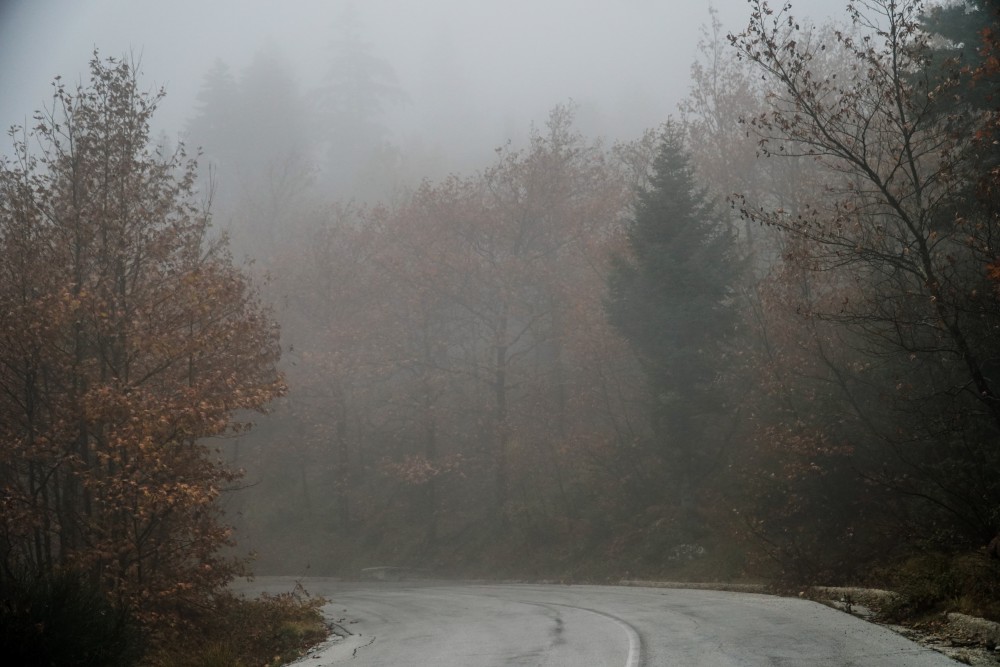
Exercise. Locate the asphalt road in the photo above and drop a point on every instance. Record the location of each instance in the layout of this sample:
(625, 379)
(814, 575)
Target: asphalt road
(465, 625)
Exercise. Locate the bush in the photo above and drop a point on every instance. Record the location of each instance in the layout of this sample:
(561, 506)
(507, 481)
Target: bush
(968, 583)
(236, 631)
(63, 621)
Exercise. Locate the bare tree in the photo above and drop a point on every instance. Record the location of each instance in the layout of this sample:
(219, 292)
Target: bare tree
(899, 247)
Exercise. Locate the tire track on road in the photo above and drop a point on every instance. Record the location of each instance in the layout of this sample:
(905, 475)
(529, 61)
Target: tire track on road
(634, 656)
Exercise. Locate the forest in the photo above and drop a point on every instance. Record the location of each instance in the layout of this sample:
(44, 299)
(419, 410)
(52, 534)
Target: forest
(758, 342)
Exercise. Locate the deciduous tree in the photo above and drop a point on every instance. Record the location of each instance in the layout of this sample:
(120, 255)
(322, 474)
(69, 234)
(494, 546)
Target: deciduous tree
(127, 341)
(901, 260)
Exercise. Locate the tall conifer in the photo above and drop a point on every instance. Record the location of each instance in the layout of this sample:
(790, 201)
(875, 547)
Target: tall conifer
(671, 298)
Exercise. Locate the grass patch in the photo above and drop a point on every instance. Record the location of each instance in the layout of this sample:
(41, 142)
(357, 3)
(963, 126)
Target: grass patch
(245, 632)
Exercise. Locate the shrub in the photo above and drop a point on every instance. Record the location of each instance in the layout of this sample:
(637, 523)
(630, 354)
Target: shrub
(236, 631)
(968, 583)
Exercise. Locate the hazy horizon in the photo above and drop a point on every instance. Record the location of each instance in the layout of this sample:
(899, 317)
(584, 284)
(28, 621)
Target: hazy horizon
(491, 67)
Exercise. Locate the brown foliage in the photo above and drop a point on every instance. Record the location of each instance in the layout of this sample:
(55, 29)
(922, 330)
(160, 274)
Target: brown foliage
(126, 339)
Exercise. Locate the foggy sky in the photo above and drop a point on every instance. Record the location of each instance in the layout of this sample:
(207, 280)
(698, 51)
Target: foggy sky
(624, 62)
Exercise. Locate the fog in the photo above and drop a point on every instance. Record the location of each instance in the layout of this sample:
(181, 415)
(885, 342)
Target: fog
(465, 300)
(472, 72)
(453, 374)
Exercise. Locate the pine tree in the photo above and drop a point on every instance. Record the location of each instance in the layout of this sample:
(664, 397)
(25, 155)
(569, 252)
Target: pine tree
(359, 89)
(672, 300)
(964, 27)
(215, 126)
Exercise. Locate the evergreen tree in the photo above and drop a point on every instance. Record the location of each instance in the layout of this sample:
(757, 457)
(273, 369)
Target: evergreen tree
(671, 299)
(359, 89)
(963, 74)
(214, 126)
(255, 131)
(963, 27)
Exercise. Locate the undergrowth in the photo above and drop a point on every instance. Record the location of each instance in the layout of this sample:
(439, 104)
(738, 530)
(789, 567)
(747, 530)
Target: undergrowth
(243, 632)
(63, 620)
(931, 583)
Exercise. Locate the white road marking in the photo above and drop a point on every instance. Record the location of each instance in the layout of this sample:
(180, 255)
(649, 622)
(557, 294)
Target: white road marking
(634, 643)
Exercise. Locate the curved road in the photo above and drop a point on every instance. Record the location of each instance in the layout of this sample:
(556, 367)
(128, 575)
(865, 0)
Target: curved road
(466, 625)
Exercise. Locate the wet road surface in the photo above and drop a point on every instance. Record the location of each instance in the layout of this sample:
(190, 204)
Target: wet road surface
(469, 625)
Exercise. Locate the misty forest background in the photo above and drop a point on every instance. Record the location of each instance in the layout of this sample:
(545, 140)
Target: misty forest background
(760, 338)
(758, 341)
